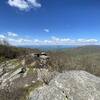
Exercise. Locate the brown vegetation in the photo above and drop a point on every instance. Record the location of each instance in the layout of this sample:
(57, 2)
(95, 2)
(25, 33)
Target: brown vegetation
(10, 52)
(82, 58)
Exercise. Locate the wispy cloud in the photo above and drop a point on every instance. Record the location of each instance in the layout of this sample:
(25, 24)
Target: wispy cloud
(15, 39)
(46, 30)
(12, 34)
(24, 4)
(87, 40)
(2, 36)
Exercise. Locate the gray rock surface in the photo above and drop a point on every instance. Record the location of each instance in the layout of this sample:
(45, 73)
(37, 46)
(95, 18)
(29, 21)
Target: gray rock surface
(9, 77)
(71, 85)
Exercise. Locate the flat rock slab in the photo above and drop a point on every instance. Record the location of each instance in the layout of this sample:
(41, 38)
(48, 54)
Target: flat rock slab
(71, 85)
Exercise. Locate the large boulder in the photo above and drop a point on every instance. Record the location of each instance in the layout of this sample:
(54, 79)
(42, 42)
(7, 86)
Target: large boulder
(71, 85)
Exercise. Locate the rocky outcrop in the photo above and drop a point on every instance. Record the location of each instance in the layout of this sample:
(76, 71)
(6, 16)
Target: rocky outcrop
(71, 85)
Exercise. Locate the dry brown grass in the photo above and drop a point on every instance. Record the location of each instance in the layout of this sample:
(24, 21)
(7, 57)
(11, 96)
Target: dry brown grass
(62, 60)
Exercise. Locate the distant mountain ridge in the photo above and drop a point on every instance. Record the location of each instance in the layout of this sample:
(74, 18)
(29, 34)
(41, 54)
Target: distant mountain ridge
(50, 47)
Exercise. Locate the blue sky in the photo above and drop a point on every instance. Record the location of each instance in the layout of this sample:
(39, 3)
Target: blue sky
(43, 22)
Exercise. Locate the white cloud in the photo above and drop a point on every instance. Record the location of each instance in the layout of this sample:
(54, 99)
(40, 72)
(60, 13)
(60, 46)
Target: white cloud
(24, 4)
(2, 36)
(53, 41)
(46, 30)
(92, 40)
(15, 39)
(34, 3)
(87, 41)
(36, 41)
(12, 34)
(19, 41)
(62, 41)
